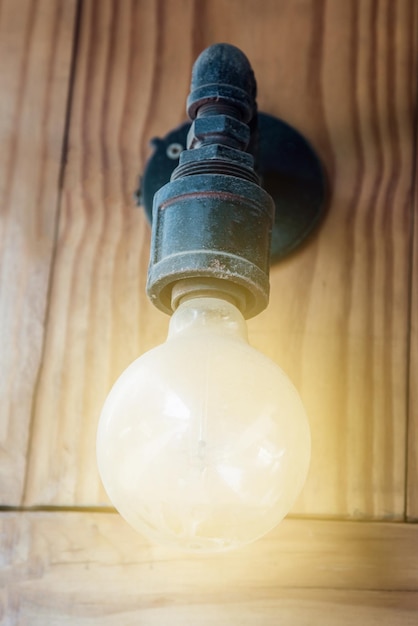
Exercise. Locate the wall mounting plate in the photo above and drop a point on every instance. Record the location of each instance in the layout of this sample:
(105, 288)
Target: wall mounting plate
(289, 171)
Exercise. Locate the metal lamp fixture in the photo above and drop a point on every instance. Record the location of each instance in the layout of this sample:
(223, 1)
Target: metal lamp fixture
(203, 442)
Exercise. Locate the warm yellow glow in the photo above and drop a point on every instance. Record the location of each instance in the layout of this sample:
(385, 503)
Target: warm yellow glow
(203, 442)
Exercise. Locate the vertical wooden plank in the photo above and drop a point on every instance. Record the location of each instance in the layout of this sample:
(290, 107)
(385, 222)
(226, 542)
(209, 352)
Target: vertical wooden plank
(338, 318)
(350, 325)
(36, 40)
(412, 468)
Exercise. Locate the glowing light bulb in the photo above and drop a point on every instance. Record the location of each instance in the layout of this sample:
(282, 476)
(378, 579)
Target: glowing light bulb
(203, 442)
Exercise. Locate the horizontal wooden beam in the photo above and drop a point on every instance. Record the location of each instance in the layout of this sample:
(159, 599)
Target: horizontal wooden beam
(88, 568)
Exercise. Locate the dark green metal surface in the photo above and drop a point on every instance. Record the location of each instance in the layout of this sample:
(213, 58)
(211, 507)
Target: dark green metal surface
(289, 171)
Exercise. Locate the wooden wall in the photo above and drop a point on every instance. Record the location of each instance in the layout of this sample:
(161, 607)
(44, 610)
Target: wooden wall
(84, 86)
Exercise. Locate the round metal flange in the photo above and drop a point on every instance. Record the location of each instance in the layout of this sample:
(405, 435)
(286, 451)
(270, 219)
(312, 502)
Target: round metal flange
(289, 171)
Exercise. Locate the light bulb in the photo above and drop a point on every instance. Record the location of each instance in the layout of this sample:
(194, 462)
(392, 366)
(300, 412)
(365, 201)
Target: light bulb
(203, 442)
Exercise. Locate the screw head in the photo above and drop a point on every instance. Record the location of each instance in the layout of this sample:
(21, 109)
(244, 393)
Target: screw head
(174, 150)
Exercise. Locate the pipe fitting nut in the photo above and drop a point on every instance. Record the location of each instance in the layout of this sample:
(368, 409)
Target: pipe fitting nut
(216, 129)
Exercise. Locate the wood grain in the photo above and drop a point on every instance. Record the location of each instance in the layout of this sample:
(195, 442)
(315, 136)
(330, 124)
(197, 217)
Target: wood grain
(301, 607)
(35, 56)
(344, 74)
(412, 468)
(86, 568)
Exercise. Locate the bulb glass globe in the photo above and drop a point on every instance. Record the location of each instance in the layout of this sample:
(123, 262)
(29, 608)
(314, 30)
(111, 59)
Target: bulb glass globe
(203, 442)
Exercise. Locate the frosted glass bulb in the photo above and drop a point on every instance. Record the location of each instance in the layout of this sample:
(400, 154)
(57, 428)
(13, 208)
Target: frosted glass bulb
(203, 442)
